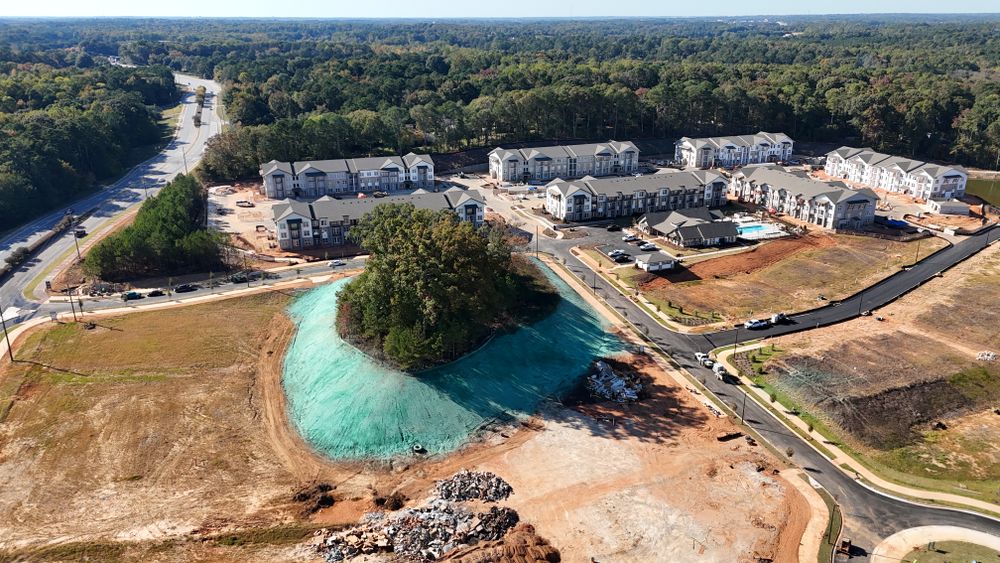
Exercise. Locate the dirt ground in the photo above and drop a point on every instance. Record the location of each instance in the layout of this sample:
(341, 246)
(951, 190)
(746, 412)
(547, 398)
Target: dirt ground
(118, 444)
(785, 274)
(919, 363)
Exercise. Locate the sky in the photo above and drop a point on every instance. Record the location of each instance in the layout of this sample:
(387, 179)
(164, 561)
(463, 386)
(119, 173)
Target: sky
(480, 8)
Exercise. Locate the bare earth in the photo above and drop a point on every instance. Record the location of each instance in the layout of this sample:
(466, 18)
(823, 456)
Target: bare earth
(162, 436)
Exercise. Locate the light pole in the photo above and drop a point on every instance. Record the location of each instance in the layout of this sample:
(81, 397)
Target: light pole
(71, 307)
(10, 350)
(76, 241)
(743, 410)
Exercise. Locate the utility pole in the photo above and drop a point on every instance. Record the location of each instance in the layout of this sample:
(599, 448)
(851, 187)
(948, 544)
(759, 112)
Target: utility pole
(917, 257)
(861, 300)
(71, 307)
(743, 410)
(10, 350)
(184, 157)
(737, 342)
(536, 241)
(76, 241)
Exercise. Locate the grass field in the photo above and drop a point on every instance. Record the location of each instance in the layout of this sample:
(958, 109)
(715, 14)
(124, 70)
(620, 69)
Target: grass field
(147, 426)
(785, 275)
(907, 396)
(984, 188)
(953, 552)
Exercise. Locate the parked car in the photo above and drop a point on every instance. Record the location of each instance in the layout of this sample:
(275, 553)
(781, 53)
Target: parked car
(648, 247)
(186, 288)
(335, 263)
(754, 324)
(244, 203)
(380, 194)
(238, 277)
(131, 295)
(629, 238)
(80, 232)
(622, 258)
(708, 362)
(721, 373)
(156, 293)
(615, 252)
(778, 318)
(700, 356)
(612, 228)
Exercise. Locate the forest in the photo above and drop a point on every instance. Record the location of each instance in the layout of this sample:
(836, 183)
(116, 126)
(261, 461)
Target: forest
(922, 86)
(68, 128)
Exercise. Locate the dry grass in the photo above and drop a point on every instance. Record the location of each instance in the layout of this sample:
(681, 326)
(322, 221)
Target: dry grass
(145, 427)
(835, 268)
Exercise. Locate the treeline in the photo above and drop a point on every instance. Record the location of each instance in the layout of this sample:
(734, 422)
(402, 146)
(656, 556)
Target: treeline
(65, 130)
(168, 237)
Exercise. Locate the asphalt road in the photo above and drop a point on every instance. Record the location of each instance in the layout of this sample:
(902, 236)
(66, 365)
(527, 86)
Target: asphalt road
(182, 153)
(869, 516)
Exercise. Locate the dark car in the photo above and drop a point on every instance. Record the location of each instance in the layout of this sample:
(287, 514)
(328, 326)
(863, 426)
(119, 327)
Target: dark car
(186, 288)
(131, 296)
(622, 258)
(156, 293)
(238, 277)
(612, 228)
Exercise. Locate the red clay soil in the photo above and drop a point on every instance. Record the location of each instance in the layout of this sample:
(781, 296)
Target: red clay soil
(758, 258)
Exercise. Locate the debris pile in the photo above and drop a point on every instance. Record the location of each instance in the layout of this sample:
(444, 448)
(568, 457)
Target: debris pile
(606, 384)
(428, 532)
(522, 544)
(473, 485)
(987, 356)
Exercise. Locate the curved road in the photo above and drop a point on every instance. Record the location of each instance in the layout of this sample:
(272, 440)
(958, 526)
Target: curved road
(182, 153)
(869, 516)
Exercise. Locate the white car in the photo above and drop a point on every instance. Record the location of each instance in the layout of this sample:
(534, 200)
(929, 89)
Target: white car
(649, 247)
(708, 362)
(335, 263)
(629, 238)
(700, 356)
(754, 324)
(616, 252)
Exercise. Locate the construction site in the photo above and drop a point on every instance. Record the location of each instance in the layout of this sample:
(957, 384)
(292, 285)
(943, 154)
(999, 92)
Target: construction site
(924, 419)
(139, 439)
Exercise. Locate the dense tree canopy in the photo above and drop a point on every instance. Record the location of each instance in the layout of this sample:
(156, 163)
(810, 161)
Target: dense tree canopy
(66, 129)
(168, 236)
(434, 286)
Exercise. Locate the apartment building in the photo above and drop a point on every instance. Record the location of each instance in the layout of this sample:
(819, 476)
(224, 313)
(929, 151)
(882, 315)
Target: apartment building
(571, 161)
(327, 221)
(896, 174)
(831, 205)
(604, 198)
(315, 178)
(711, 152)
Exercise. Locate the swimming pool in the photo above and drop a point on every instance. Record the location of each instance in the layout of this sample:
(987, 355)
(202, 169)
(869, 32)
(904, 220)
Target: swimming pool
(744, 229)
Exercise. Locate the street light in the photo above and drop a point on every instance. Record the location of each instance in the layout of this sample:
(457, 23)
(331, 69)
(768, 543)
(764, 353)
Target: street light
(10, 349)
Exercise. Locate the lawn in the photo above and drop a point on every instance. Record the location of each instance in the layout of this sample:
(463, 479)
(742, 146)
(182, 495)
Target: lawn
(953, 552)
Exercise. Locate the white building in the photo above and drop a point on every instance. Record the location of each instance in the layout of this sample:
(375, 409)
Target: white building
(315, 178)
(710, 152)
(572, 161)
(326, 221)
(831, 205)
(655, 261)
(592, 198)
(896, 174)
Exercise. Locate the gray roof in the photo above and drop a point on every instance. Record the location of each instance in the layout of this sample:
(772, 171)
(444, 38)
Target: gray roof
(738, 140)
(675, 180)
(564, 151)
(354, 208)
(657, 257)
(345, 165)
(801, 185)
(691, 223)
(907, 165)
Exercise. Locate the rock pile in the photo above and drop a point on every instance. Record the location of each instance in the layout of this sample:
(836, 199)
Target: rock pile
(606, 384)
(987, 356)
(473, 485)
(428, 532)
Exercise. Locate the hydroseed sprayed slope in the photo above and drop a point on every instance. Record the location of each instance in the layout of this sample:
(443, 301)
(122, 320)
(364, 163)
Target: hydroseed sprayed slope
(348, 407)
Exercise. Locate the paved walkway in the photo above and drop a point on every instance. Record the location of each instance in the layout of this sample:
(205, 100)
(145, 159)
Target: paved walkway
(898, 545)
(839, 458)
(819, 515)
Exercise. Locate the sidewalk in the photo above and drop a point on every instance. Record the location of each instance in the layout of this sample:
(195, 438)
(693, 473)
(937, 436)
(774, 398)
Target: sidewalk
(819, 515)
(900, 544)
(839, 458)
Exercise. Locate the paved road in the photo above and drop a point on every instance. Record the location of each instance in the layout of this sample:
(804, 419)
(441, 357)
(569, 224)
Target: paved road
(869, 516)
(871, 298)
(184, 152)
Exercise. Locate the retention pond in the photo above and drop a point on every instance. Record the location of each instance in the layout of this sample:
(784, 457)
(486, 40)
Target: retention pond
(348, 406)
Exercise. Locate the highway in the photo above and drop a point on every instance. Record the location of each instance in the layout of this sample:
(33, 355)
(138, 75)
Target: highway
(182, 153)
(869, 516)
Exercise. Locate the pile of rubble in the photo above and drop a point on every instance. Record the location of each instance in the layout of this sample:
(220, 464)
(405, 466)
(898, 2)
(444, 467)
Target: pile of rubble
(606, 384)
(987, 356)
(428, 532)
(473, 485)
